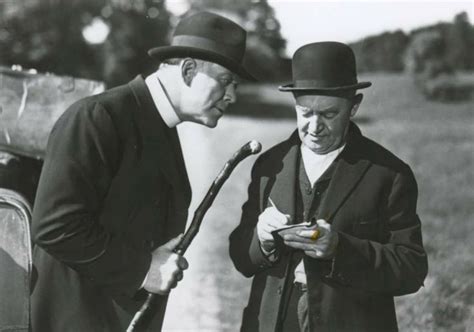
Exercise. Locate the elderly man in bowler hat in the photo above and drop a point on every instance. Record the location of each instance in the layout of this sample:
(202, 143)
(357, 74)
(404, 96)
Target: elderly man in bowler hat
(114, 193)
(362, 244)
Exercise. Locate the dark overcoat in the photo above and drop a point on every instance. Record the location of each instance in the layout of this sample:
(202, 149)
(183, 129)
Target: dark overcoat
(371, 202)
(112, 189)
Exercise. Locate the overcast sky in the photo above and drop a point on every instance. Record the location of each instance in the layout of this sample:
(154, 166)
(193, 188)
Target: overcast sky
(305, 21)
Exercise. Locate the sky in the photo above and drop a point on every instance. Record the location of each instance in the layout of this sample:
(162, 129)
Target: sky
(306, 21)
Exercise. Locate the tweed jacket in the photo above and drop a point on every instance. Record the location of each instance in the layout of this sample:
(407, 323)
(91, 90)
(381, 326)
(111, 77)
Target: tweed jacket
(371, 202)
(113, 188)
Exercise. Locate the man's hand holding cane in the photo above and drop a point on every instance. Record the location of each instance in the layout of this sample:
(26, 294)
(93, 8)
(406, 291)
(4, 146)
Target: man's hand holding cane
(170, 273)
(166, 268)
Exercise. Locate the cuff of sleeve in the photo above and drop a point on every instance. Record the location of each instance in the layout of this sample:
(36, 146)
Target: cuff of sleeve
(257, 255)
(131, 267)
(144, 281)
(272, 256)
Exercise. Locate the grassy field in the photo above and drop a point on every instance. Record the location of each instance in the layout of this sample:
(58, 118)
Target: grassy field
(436, 139)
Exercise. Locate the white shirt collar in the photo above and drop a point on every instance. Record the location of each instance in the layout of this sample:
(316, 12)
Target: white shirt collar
(161, 101)
(316, 164)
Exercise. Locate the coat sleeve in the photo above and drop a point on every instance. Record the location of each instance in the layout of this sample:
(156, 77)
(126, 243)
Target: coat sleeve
(82, 157)
(245, 250)
(396, 266)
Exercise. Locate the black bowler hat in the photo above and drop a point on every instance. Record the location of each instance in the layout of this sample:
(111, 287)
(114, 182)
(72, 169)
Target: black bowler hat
(326, 67)
(209, 37)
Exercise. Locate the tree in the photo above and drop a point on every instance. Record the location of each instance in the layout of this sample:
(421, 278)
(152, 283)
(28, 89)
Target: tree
(265, 45)
(425, 53)
(133, 31)
(460, 43)
(47, 36)
(434, 55)
(53, 40)
(383, 52)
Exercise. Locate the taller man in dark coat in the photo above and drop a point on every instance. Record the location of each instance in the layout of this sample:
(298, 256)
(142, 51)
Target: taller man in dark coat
(114, 193)
(363, 245)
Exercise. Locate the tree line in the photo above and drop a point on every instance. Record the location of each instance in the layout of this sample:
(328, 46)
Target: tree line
(50, 36)
(450, 45)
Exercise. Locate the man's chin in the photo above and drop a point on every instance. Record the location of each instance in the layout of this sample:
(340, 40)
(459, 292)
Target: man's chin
(210, 122)
(316, 148)
(211, 125)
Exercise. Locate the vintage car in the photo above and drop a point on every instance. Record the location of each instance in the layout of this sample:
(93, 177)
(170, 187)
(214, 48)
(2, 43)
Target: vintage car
(30, 104)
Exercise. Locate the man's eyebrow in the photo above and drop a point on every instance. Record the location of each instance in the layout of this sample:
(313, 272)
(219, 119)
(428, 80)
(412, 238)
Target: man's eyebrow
(226, 75)
(229, 76)
(303, 108)
(327, 110)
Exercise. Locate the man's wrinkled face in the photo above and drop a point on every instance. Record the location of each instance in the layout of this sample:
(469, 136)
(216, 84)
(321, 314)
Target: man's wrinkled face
(323, 120)
(208, 94)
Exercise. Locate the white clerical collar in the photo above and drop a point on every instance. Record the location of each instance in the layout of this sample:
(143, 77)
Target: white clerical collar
(161, 101)
(310, 155)
(316, 164)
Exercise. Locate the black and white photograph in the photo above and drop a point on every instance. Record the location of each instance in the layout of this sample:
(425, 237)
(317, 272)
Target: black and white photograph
(245, 165)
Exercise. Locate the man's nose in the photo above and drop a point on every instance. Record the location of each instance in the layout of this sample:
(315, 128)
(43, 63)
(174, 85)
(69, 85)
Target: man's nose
(316, 124)
(230, 94)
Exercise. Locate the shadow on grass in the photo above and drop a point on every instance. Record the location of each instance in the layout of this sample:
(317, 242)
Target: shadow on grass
(261, 110)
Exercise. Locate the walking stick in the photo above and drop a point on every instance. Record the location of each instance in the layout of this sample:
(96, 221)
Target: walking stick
(143, 316)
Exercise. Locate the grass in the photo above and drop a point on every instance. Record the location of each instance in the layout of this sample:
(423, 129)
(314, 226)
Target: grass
(435, 139)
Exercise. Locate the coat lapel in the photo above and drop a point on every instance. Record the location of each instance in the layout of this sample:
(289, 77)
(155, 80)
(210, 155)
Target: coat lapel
(171, 162)
(284, 185)
(350, 168)
(158, 139)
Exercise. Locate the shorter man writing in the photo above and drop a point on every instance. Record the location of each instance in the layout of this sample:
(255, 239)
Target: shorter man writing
(364, 246)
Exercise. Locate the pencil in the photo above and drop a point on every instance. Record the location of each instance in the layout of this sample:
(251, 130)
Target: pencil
(271, 202)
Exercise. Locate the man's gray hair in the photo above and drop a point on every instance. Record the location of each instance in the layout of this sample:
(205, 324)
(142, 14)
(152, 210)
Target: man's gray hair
(177, 61)
(172, 61)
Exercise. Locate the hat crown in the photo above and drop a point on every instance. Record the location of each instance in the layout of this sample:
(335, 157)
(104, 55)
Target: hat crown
(324, 66)
(213, 27)
(329, 64)
(208, 37)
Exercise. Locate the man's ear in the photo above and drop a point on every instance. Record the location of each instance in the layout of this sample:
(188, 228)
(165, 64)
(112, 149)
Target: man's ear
(188, 70)
(356, 103)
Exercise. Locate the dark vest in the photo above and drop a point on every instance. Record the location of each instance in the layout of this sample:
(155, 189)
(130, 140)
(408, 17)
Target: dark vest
(309, 197)
(308, 200)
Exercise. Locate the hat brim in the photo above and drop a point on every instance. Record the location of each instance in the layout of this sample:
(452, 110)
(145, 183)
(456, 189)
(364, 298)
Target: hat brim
(167, 52)
(357, 86)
